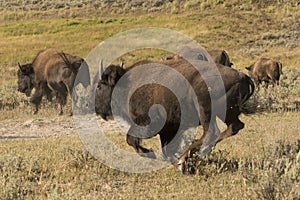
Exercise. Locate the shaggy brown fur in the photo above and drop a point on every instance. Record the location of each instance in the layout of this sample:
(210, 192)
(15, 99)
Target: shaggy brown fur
(53, 71)
(238, 89)
(265, 69)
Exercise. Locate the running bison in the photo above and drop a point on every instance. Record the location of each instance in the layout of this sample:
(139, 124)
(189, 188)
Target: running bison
(208, 104)
(220, 57)
(51, 71)
(265, 70)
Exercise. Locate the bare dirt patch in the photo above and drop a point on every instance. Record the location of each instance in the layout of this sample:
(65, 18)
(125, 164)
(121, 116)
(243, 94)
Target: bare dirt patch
(44, 128)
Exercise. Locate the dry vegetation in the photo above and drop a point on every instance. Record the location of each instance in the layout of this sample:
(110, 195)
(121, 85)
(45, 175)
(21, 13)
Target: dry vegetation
(261, 162)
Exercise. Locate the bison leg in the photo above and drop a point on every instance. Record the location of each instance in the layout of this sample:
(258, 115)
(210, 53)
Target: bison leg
(37, 98)
(62, 100)
(69, 83)
(233, 123)
(136, 144)
(61, 94)
(168, 148)
(48, 93)
(232, 129)
(205, 144)
(257, 82)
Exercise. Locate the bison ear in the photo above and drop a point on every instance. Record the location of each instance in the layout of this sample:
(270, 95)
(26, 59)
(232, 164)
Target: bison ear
(249, 68)
(19, 66)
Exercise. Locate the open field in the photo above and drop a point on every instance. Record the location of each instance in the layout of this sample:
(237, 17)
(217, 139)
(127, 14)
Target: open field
(261, 162)
(42, 156)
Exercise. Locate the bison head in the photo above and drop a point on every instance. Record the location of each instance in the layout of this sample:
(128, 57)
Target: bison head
(105, 87)
(25, 78)
(250, 70)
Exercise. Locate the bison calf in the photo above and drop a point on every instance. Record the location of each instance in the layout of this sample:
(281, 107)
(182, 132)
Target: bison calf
(264, 70)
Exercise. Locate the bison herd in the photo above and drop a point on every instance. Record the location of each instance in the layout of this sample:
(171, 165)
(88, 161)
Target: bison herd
(53, 72)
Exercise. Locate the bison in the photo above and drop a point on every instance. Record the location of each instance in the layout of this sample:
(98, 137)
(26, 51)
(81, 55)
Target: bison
(238, 89)
(51, 71)
(220, 57)
(265, 70)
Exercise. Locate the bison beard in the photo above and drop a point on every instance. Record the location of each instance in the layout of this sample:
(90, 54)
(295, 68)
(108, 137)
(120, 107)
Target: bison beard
(238, 89)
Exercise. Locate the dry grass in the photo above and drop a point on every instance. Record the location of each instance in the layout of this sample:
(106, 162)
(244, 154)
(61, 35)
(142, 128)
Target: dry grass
(261, 162)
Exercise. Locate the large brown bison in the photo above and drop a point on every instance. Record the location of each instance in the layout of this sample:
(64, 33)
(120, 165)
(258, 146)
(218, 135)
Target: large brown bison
(51, 71)
(238, 89)
(220, 57)
(265, 70)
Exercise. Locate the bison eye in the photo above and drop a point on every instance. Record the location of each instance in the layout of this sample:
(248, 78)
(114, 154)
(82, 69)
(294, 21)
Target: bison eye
(103, 82)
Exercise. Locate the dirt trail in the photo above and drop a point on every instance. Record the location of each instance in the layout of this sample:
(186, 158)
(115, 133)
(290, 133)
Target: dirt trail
(44, 128)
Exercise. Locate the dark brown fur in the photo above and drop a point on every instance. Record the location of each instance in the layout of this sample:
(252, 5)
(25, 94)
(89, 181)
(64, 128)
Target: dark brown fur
(53, 71)
(220, 57)
(265, 70)
(238, 88)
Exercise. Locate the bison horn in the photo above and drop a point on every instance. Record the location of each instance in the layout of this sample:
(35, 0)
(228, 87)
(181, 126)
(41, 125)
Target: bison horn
(101, 69)
(280, 67)
(122, 64)
(19, 66)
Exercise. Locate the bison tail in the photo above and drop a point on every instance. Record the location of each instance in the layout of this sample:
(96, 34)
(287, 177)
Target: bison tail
(249, 107)
(66, 60)
(251, 89)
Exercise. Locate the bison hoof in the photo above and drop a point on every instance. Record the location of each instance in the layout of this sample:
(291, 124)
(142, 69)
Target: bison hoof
(34, 112)
(149, 154)
(180, 165)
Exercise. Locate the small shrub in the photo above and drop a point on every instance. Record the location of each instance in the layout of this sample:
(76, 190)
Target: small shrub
(277, 174)
(10, 98)
(284, 97)
(211, 165)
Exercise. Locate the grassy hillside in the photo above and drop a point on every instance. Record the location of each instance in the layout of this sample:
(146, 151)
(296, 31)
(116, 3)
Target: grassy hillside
(262, 29)
(246, 33)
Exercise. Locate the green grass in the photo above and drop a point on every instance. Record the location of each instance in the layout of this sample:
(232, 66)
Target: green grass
(23, 39)
(241, 33)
